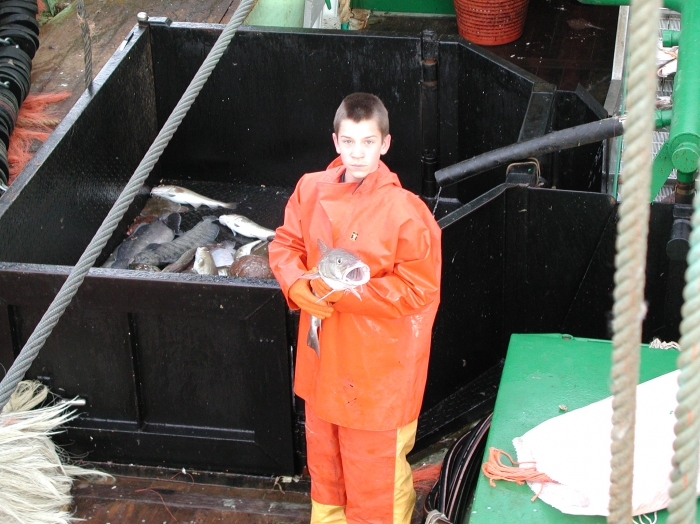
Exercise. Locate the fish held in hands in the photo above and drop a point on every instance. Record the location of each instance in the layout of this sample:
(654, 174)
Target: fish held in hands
(341, 270)
(246, 227)
(182, 195)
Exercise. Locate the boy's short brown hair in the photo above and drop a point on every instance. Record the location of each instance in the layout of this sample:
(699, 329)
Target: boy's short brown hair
(362, 106)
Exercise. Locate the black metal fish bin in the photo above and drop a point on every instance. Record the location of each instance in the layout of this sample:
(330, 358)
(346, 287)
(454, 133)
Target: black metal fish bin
(196, 371)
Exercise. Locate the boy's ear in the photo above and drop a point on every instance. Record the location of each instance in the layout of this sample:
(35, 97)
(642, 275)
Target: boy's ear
(385, 144)
(335, 141)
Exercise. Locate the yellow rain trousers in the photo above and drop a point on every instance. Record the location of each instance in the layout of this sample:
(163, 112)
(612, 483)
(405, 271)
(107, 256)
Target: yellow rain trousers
(359, 476)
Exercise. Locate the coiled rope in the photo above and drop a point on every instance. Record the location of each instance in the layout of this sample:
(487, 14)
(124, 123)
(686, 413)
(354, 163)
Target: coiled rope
(631, 248)
(684, 476)
(87, 260)
(87, 42)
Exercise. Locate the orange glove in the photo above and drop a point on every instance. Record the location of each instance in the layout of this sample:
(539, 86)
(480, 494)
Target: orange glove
(300, 293)
(321, 289)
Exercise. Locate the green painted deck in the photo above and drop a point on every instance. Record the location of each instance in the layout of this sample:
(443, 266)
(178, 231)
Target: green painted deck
(541, 373)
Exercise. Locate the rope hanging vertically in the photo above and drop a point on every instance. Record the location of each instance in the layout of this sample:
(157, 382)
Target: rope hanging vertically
(87, 260)
(631, 250)
(684, 476)
(344, 13)
(87, 41)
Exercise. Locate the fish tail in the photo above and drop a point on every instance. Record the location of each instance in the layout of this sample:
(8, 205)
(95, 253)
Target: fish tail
(312, 337)
(230, 205)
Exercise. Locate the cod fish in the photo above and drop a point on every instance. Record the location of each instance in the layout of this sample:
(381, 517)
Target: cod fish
(341, 270)
(156, 206)
(246, 227)
(204, 263)
(156, 255)
(156, 232)
(180, 195)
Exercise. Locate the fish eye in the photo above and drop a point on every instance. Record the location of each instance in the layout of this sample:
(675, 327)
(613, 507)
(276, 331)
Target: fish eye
(339, 261)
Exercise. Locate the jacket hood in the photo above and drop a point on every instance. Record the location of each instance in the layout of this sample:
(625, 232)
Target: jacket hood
(383, 176)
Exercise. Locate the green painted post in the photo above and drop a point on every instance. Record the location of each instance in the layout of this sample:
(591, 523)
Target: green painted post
(685, 124)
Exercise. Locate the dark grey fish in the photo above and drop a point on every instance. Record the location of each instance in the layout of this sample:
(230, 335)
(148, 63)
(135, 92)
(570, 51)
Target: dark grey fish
(181, 263)
(203, 233)
(157, 232)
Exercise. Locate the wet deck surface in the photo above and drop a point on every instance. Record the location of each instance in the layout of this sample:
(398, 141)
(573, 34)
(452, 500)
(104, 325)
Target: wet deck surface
(59, 64)
(182, 499)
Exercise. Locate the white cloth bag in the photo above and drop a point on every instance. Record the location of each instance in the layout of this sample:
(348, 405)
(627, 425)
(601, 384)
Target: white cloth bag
(574, 450)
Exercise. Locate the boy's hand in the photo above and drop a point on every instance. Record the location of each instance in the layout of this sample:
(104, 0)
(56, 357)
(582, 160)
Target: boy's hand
(301, 294)
(321, 289)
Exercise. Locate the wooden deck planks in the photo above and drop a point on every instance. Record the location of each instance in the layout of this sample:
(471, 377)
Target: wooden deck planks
(135, 500)
(58, 64)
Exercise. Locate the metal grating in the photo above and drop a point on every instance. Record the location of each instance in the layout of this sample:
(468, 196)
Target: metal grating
(664, 88)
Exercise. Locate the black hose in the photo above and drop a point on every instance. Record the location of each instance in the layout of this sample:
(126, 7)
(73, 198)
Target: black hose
(458, 474)
(555, 141)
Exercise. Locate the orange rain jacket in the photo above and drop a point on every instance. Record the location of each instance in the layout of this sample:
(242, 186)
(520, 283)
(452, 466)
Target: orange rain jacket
(374, 351)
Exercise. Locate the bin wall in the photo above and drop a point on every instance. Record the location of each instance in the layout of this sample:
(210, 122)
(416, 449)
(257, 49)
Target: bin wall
(53, 209)
(196, 371)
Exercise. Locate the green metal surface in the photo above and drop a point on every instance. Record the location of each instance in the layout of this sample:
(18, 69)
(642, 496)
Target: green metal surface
(445, 7)
(670, 37)
(660, 168)
(684, 132)
(663, 117)
(277, 13)
(541, 373)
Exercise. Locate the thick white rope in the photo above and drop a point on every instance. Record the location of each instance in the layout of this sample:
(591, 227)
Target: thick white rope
(631, 247)
(684, 476)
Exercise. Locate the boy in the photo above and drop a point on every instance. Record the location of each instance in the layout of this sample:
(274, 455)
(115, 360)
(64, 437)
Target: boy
(364, 392)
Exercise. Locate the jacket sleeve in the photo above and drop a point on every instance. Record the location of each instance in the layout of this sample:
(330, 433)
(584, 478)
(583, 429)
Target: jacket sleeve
(414, 282)
(287, 252)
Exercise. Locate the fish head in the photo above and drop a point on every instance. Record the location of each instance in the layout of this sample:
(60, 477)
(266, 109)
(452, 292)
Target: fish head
(166, 191)
(343, 269)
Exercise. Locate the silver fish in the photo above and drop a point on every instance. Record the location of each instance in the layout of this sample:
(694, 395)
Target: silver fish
(157, 232)
(246, 227)
(245, 249)
(223, 253)
(203, 233)
(181, 195)
(203, 262)
(341, 270)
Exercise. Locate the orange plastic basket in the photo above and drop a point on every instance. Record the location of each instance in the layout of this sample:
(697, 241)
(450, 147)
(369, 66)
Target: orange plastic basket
(491, 22)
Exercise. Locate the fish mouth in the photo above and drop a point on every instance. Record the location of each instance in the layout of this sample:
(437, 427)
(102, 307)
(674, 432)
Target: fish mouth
(358, 274)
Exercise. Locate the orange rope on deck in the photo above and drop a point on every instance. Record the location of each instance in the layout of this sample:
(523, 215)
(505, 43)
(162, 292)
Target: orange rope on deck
(495, 469)
(33, 126)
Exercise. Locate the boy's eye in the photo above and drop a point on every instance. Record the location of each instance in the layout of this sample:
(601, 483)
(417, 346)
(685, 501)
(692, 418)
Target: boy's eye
(369, 142)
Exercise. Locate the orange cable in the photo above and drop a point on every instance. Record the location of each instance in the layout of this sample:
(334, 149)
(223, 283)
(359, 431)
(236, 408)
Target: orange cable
(495, 469)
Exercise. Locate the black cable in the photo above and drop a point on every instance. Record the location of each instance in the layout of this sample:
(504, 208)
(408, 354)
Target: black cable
(458, 474)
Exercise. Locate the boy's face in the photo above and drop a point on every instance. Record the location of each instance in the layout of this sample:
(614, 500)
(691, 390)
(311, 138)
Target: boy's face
(360, 144)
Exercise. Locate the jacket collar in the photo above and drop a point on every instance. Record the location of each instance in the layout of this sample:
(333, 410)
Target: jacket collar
(379, 178)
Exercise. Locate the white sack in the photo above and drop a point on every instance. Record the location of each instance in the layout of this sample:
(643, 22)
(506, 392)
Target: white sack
(574, 450)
